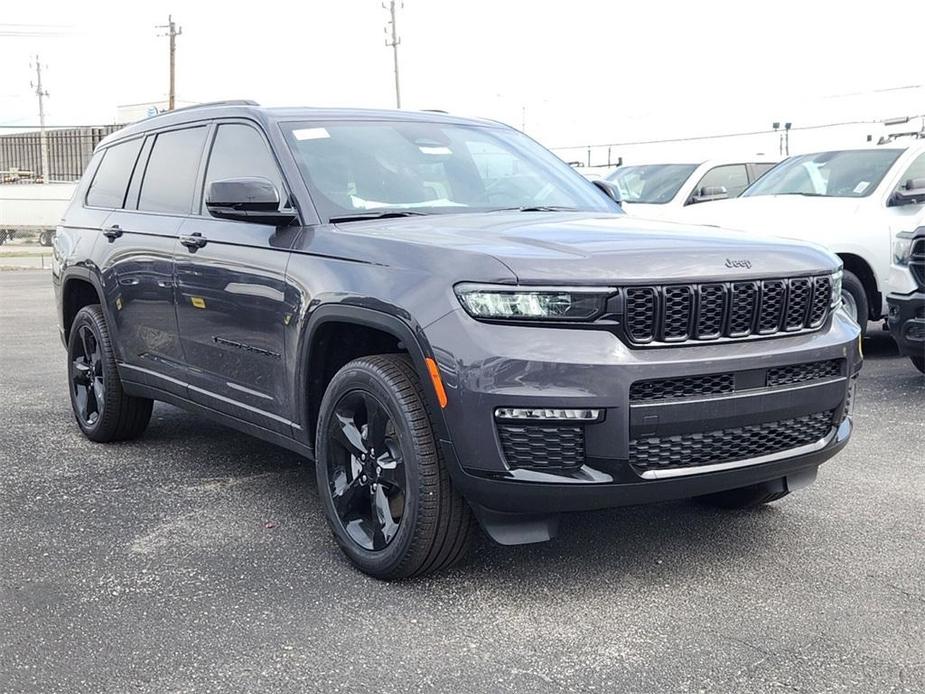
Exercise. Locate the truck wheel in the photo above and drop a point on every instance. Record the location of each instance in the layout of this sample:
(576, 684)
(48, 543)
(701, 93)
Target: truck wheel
(45, 238)
(744, 497)
(919, 363)
(854, 299)
(2, 237)
(381, 477)
(103, 411)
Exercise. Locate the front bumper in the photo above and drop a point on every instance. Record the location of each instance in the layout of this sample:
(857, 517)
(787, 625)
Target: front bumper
(499, 366)
(906, 319)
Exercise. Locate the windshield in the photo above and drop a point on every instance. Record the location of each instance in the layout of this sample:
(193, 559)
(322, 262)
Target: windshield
(654, 185)
(840, 174)
(392, 168)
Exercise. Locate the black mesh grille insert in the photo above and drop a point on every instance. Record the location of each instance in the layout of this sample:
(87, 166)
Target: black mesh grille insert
(773, 296)
(744, 305)
(822, 299)
(800, 373)
(640, 311)
(543, 447)
(711, 310)
(689, 386)
(797, 303)
(725, 445)
(676, 313)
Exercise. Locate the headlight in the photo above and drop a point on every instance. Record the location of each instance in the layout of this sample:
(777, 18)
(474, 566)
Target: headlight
(836, 289)
(494, 302)
(902, 248)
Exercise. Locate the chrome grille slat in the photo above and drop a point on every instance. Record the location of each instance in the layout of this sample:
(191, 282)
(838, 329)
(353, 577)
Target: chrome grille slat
(691, 313)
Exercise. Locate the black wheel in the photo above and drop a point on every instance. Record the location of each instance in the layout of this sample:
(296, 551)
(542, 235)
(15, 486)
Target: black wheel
(919, 363)
(381, 478)
(744, 497)
(854, 299)
(104, 412)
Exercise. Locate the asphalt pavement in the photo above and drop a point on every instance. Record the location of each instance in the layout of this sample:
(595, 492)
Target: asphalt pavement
(196, 559)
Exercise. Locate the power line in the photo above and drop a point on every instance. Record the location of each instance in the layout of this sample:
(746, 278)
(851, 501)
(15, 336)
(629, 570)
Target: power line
(720, 136)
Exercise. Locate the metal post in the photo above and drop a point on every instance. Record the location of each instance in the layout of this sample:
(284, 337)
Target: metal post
(41, 93)
(172, 33)
(393, 42)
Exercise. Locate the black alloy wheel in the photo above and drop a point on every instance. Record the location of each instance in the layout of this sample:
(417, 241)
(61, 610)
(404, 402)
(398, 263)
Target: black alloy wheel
(366, 470)
(87, 380)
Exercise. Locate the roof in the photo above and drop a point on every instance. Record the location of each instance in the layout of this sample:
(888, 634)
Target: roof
(265, 116)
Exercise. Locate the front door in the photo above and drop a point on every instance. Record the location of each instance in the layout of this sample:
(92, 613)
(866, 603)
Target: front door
(233, 307)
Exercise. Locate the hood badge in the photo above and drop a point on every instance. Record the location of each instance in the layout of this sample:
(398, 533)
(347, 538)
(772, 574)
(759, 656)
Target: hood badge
(747, 264)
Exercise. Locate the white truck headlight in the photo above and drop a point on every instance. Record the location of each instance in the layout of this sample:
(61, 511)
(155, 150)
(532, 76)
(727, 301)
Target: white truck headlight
(902, 248)
(498, 302)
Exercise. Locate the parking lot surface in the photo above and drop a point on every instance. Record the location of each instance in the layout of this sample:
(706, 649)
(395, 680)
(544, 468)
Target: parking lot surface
(197, 559)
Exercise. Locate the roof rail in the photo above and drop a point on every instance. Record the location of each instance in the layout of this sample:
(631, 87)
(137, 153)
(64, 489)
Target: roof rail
(227, 102)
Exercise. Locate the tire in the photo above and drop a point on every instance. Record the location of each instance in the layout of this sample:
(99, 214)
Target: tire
(405, 518)
(854, 299)
(46, 238)
(919, 363)
(103, 411)
(743, 497)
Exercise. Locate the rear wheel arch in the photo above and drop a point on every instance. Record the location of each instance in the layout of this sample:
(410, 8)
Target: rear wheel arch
(76, 293)
(859, 267)
(335, 336)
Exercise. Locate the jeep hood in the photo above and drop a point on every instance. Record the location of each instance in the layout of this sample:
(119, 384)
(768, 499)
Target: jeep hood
(588, 248)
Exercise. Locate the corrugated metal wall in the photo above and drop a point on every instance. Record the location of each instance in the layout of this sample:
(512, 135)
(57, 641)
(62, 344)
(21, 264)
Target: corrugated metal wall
(68, 150)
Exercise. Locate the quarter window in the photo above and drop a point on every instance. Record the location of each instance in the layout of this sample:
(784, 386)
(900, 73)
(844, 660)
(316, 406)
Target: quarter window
(170, 177)
(240, 151)
(111, 179)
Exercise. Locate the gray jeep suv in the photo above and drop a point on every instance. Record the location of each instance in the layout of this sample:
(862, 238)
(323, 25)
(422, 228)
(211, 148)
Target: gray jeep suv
(452, 323)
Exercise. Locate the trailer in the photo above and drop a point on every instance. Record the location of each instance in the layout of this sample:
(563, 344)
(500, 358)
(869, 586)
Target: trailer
(33, 207)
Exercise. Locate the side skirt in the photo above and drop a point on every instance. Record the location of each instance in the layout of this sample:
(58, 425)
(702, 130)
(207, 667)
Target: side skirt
(146, 391)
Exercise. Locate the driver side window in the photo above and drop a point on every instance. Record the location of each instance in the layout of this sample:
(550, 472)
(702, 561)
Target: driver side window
(916, 170)
(240, 151)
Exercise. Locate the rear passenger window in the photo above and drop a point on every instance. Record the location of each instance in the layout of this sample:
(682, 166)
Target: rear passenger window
(762, 169)
(240, 151)
(170, 177)
(111, 179)
(734, 178)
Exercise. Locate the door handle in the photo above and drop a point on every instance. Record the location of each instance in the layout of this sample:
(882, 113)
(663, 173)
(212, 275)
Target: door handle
(113, 232)
(193, 241)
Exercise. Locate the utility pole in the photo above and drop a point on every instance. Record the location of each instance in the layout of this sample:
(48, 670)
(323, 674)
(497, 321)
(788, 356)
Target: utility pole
(392, 39)
(42, 94)
(172, 33)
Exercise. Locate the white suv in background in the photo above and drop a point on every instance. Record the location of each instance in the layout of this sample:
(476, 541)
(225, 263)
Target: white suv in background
(852, 201)
(658, 191)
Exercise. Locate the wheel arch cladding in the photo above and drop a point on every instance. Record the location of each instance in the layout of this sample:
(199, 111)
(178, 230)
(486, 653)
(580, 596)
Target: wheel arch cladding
(77, 293)
(336, 335)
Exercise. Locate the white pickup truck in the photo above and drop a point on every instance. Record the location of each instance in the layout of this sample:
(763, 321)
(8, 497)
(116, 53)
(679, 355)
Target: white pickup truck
(851, 201)
(34, 207)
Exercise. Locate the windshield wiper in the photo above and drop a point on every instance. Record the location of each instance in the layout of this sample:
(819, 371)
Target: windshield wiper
(806, 195)
(385, 214)
(537, 208)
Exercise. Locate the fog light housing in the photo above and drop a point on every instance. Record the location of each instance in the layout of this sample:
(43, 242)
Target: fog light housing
(548, 414)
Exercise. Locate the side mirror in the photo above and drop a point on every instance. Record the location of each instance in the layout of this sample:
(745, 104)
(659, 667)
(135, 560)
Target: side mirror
(708, 194)
(253, 200)
(912, 192)
(609, 189)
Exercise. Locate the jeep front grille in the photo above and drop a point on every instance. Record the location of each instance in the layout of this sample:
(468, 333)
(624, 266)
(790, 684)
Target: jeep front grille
(691, 313)
(727, 445)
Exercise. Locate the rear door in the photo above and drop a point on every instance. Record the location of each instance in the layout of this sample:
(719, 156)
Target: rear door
(138, 270)
(233, 304)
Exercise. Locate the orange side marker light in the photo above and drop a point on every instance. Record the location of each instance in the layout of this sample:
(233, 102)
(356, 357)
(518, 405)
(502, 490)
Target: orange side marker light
(436, 380)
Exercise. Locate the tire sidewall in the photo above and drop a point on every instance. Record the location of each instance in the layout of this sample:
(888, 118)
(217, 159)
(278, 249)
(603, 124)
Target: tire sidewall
(854, 286)
(358, 378)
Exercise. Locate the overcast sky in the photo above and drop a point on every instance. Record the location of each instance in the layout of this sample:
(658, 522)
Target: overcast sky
(585, 72)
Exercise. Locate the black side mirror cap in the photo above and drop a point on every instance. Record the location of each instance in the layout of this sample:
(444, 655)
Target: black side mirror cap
(609, 189)
(253, 199)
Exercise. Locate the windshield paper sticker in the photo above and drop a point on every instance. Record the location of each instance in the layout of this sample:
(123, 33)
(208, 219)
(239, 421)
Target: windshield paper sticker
(310, 133)
(861, 187)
